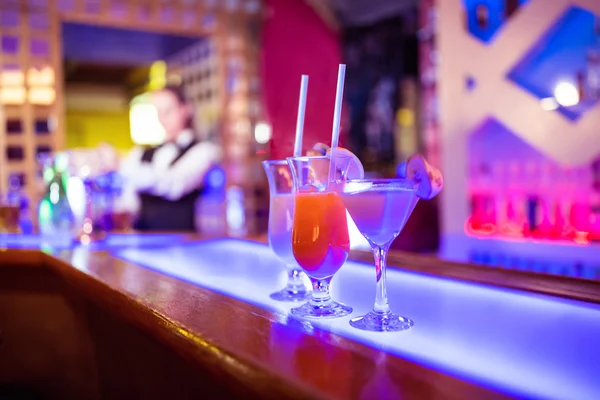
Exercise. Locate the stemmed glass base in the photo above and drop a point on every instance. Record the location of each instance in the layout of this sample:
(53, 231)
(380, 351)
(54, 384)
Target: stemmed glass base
(382, 322)
(321, 305)
(329, 310)
(381, 318)
(295, 289)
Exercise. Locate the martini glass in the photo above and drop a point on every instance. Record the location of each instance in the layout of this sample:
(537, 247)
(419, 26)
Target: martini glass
(380, 209)
(320, 239)
(281, 211)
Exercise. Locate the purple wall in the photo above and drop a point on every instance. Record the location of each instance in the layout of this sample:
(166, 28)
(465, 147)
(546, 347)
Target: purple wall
(119, 46)
(295, 42)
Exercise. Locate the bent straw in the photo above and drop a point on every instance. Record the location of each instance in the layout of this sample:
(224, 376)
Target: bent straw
(300, 120)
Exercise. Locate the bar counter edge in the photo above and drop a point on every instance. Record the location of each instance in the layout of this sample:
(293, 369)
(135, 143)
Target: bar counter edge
(233, 339)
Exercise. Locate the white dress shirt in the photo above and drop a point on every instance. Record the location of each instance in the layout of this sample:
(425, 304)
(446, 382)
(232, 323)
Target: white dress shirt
(159, 177)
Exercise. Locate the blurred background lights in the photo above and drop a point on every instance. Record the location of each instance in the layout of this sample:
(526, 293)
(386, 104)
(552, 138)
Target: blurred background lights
(549, 104)
(566, 94)
(143, 118)
(262, 132)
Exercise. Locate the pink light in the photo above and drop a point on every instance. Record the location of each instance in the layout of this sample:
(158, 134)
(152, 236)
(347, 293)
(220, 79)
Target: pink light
(581, 238)
(485, 229)
(576, 238)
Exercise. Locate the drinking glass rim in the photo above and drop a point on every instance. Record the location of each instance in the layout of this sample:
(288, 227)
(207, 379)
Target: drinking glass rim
(308, 158)
(274, 162)
(404, 183)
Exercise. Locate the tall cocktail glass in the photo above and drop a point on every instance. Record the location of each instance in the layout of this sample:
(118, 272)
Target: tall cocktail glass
(380, 209)
(281, 211)
(320, 240)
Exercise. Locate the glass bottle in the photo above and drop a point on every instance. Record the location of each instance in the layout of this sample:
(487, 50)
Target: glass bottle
(593, 65)
(55, 216)
(10, 206)
(93, 226)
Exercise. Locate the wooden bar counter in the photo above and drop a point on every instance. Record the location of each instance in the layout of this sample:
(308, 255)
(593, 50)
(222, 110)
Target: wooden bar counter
(171, 316)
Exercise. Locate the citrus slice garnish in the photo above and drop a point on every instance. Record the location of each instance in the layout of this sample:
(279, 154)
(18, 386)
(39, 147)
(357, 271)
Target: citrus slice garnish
(429, 178)
(319, 149)
(347, 164)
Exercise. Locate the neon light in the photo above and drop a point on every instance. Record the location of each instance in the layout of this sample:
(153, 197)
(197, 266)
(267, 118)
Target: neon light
(262, 132)
(40, 76)
(13, 95)
(12, 77)
(476, 332)
(42, 95)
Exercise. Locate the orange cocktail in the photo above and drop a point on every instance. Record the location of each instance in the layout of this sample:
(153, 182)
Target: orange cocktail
(320, 239)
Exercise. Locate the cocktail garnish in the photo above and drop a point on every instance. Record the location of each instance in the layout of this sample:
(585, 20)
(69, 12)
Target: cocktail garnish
(429, 178)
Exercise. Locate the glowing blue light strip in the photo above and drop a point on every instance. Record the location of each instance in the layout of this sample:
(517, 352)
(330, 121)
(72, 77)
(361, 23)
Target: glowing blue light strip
(520, 343)
(32, 242)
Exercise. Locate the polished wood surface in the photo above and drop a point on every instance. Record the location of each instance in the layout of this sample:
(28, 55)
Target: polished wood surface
(41, 327)
(250, 351)
(141, 333)
(56, 343)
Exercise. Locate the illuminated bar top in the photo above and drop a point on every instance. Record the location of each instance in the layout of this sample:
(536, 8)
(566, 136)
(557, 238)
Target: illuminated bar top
(113, 240)
(471, 339)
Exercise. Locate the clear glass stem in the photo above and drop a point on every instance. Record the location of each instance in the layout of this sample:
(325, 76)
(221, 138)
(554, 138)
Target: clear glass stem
(320, 293)
(295, 283)
(381, 300)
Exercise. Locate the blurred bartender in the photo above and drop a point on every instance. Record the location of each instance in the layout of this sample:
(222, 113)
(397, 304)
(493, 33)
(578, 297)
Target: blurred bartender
(163, 183)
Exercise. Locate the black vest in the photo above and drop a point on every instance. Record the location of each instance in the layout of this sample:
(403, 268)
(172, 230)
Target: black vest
(160, 214)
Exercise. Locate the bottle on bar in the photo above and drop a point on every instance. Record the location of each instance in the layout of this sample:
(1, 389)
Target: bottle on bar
(55, 216)
(565, 186)
(532, 199)
(579, 212)
(500, 198)
(482, 13)
(478, 187)
(593, 64)
(547, 198)
(489, 195)
(18, 197)
(236, 211)
(95, 225)
(211, 206)
(10, 206)
(594, 211)
(516, 206)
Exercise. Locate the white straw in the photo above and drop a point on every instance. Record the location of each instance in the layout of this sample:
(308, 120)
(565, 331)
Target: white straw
(337, 116)
(300, 121)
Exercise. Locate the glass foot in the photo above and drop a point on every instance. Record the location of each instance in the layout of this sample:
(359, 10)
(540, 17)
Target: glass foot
(291, 295)
(382, 322)
(329, 310)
